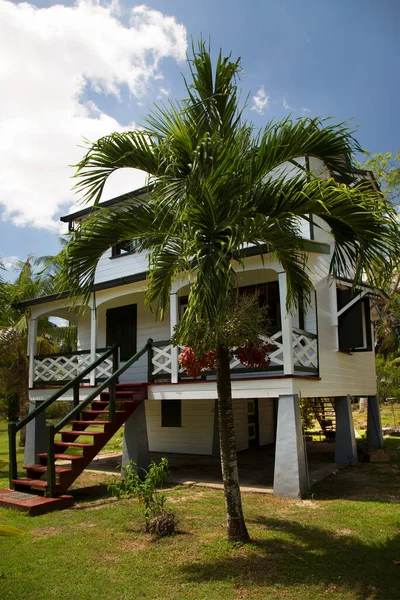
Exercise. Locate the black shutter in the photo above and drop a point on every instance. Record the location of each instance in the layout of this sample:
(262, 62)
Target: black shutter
(121, 329)
(354, 324)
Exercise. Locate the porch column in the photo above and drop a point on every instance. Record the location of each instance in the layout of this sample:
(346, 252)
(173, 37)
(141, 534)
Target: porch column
(290, 474)
(136, 444)
(374, 424)
(174, 317)
(345, 440)
(35, 435)
(32, 337)
(286, 319)
(93, 339)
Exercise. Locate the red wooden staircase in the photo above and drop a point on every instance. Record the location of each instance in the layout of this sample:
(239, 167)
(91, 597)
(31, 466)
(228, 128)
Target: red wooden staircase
(80, 453)
(73, 442)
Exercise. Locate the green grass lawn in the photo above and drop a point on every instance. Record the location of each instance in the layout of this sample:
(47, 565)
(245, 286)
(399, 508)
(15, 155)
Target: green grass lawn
(343, 542)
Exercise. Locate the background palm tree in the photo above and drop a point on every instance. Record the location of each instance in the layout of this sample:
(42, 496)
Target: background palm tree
(29, 283)
(216, 188)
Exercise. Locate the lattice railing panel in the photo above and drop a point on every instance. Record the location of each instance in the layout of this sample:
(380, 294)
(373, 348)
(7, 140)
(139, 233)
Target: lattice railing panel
(66, 367)
(305, 349)
(162, 360)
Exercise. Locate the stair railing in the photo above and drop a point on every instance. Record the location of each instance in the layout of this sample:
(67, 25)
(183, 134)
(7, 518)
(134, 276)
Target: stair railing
(111, 384)
(74, 384)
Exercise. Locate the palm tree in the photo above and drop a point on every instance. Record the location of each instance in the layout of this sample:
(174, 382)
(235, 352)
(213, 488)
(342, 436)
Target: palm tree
(215, 188)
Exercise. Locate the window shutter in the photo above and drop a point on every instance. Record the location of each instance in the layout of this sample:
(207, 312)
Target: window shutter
(354, 324)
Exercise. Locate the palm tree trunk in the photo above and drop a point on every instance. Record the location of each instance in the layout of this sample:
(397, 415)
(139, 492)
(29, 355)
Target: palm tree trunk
(236, 527)
(23, 399)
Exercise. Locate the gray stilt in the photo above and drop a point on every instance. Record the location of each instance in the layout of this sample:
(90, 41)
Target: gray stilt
(35, 435)
(290, 475)
(374, 424)
(136, 444)
(215, 443)
(345, 440)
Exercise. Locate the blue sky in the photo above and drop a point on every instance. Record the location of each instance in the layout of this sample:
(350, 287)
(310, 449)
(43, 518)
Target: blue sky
(89, 68)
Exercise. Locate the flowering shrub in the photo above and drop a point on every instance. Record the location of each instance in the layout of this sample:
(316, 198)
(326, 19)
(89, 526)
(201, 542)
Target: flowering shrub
(193, 366)
(250, 355)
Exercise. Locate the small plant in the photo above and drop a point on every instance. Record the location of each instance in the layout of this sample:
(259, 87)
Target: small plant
(157, 519)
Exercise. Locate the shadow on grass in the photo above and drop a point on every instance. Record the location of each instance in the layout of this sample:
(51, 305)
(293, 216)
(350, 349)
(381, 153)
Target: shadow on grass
(298, 555)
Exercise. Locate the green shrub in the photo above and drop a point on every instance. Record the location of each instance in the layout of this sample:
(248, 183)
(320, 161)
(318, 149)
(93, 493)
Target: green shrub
(145, 490)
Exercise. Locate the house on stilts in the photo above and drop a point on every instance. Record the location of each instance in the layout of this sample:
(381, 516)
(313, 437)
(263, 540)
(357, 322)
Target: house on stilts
(126, 371)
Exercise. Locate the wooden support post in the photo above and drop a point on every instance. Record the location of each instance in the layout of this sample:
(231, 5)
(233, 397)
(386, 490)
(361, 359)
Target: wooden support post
(93, 339)
(51, 466)
(12, 447)
(174, 317)
(32, 335)
(286, 319)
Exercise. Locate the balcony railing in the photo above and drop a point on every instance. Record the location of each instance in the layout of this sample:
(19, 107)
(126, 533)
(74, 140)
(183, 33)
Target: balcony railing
(304, 348)
(53, 369)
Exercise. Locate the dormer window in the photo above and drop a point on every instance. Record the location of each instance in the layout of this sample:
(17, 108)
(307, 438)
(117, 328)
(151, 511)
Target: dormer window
(125, 247)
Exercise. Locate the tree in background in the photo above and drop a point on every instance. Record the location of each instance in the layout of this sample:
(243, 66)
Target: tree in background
(216, 188)
(29, 284)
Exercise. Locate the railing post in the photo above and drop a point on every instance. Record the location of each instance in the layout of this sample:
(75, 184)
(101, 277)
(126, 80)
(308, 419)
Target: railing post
(93, 339)
(76, 394)
(115, 359)
(174, 318)
(150, 354)
(51, 467)
(286, 318)
(32, 335)
(12, 447)
(113, 395)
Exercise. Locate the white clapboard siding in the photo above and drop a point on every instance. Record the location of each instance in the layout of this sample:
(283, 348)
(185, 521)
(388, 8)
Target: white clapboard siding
(266, 423)
(194, 437)
(120, 266)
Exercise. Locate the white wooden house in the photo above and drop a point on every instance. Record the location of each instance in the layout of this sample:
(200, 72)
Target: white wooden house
(323, 350)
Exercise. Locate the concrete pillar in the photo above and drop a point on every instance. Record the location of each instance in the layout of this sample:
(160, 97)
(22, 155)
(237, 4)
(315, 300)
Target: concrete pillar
(174, 317)
(93, 339)
(32, 340)
(286, 319)
(345, 440)
(215, 443)
(136, 444)
(290, 475)
(35, 436)
(374, 424)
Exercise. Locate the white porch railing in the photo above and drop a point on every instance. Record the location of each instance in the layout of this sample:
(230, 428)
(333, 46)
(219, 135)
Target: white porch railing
(304, 348)
(64, 366)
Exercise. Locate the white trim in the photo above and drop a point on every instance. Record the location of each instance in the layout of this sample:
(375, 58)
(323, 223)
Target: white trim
(286, 319)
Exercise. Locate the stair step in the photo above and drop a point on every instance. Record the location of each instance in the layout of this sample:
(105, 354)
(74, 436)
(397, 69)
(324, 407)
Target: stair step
(121, 394)
(90, 422)
(101, 412)
(74, 432)
(61, 456)
(73, 444)
(27, 481)
(43, 469)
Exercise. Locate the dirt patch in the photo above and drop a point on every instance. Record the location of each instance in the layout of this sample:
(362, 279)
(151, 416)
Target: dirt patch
(132, 545)
(342, 532)
(46, 532)
(307, 504)
(177, 499)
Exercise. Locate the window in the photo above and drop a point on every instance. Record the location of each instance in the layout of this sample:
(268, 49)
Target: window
(269, 296)
(171, 413)
(125, 247)
(354, 324)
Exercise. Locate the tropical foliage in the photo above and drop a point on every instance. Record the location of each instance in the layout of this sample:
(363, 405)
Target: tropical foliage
(218, 187)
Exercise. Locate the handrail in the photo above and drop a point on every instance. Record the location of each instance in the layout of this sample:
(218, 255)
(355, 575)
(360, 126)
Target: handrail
(14, 427)
(312, 336)
(64, 389)
(90, 397)
(79, 407)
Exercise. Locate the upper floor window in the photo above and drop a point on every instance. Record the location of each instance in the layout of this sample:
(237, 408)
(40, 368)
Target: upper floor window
(125, 247)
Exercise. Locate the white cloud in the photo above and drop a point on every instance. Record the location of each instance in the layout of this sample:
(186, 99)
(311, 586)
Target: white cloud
(260, 101)
(306, 110)
(50, 58)
(10, 262)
